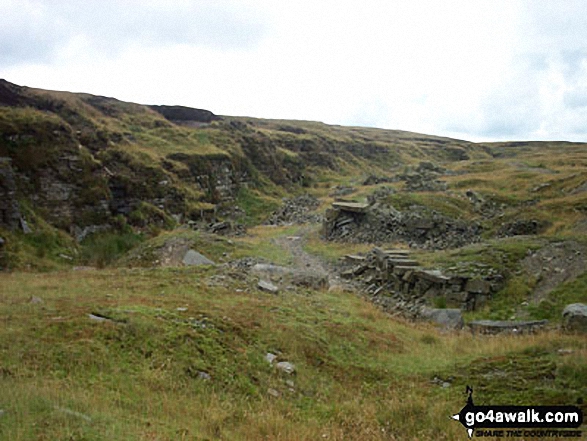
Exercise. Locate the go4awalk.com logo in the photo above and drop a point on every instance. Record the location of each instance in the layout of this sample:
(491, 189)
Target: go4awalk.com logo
(520, 421)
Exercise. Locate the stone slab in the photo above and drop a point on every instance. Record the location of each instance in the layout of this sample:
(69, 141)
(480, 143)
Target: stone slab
(354, 207)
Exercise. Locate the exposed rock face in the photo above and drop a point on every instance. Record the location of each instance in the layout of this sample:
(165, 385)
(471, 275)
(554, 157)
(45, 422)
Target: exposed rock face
(9, 211)
(181, 114)
(10, 94)
(554, 264)
(217, 176)
(419, 228)
(575, 318)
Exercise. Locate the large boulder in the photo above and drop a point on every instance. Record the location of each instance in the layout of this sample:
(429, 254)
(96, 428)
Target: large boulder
(193, 258)
(575, 318)
(282, 274)
(445, 318)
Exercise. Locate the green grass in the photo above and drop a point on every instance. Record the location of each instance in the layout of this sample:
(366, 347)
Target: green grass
(332, 252)
(257, 206)
(359, 374)
(259, 243)
(103, 249)
(537, 374)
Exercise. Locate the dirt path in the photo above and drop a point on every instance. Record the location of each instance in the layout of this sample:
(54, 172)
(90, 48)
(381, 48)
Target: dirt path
(304, 261)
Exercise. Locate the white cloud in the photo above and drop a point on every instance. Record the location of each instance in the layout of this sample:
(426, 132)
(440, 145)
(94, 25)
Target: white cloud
(489, 69)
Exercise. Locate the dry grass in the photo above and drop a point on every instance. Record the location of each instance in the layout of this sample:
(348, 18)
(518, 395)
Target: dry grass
(360, 374)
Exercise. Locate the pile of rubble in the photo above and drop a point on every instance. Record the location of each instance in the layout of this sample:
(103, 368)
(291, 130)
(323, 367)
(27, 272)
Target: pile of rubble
(226, 228)
(521, 228)
(487, 208)
(379, 223)
(374, 180)
(298, 210)
(424, 178)
(397, 282)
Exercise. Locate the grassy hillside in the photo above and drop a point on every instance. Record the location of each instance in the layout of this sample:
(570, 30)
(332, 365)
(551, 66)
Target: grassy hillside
(107, 335)
(144, 374)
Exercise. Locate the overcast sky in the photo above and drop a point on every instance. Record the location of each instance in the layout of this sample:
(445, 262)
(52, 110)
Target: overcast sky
(470, 69)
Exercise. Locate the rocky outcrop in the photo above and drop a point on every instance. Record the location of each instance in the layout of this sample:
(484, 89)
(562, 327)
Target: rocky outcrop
(183, 114)
(193, 258)
(9, 210)
(554, 264)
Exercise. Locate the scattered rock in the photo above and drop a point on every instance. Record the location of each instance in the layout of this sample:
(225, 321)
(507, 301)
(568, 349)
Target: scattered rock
(226, 228)
(193, 258)
(98, 318)
(286, 366)
(181, 309)
(266, 286)
(270, 357)
(374, 180)
(36, 300)
(575, 318)
(273, 392)
(204, 376)
(565, 351)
